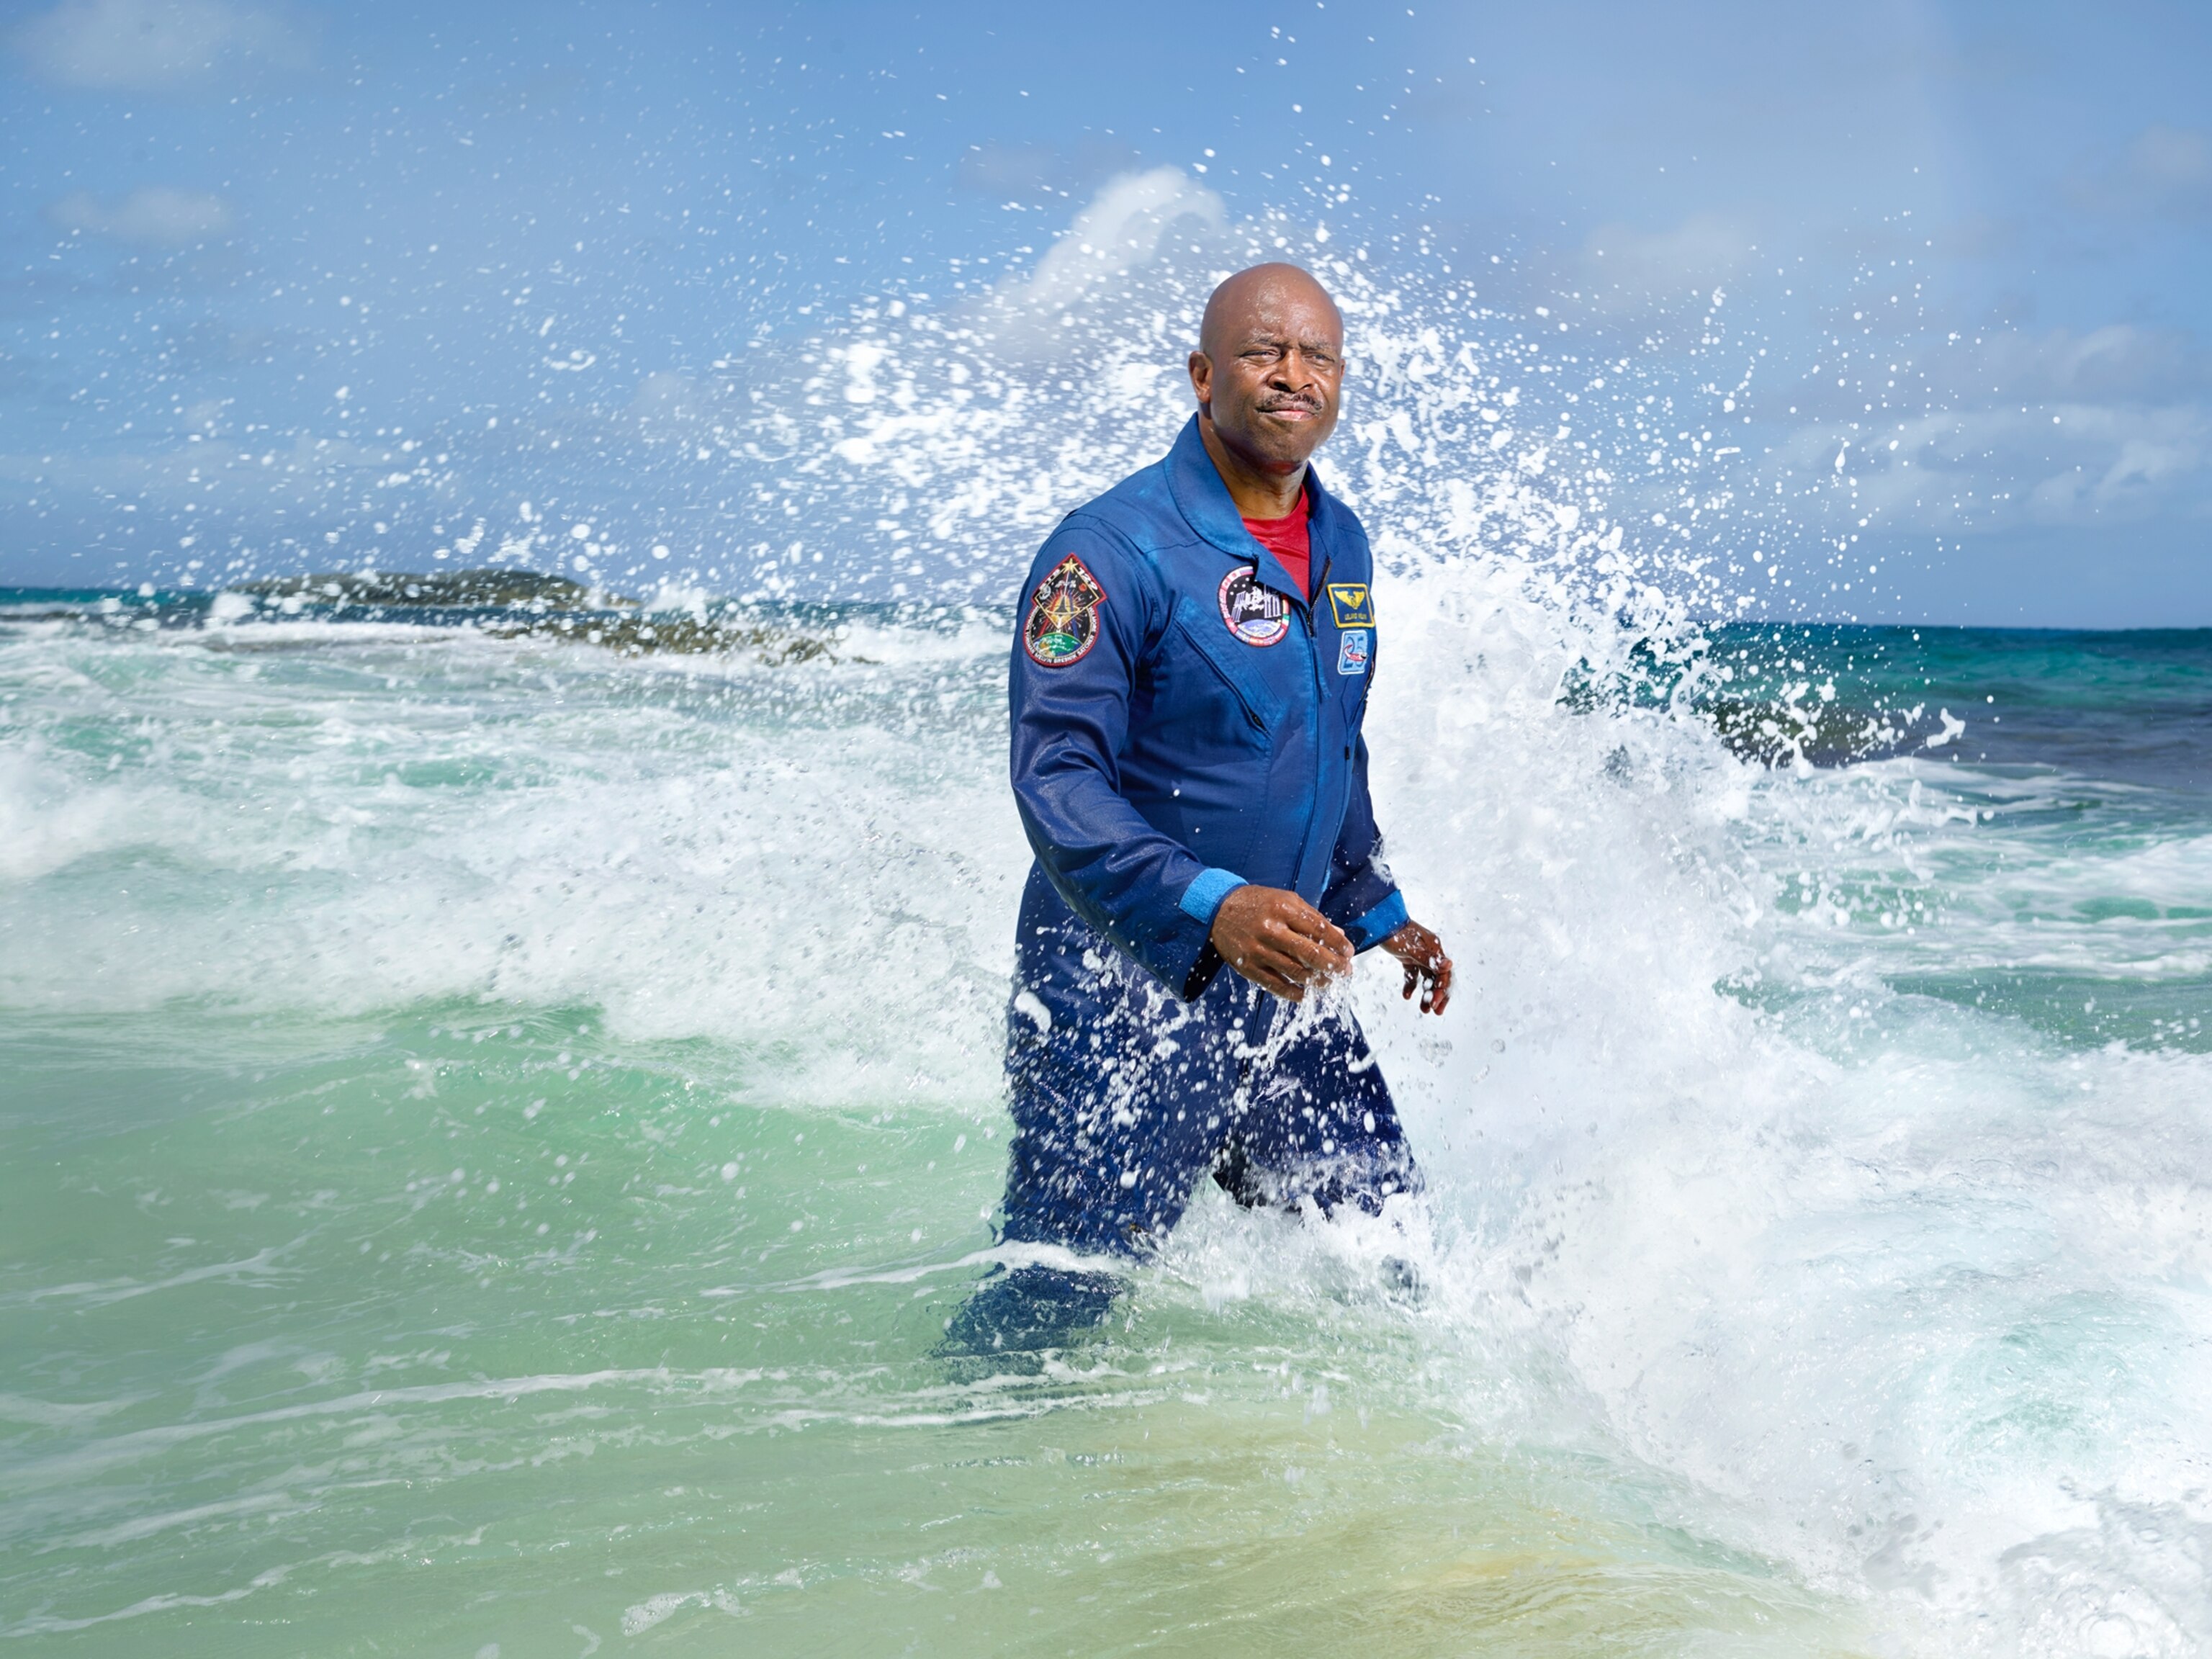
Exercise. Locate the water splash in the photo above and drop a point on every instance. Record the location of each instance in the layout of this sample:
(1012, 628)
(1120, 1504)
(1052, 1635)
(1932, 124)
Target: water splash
(1766, 1266)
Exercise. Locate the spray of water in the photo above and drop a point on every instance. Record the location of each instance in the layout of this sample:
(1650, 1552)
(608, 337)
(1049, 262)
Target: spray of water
(1844, 1281)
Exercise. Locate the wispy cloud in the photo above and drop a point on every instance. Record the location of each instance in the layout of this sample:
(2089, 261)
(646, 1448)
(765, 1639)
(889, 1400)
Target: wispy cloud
(2165, 172)
(1983, 466)
(1124, 227)
(1023, 170)
(1622, 269)
(2118, 362)
(160, 217)
(156, 46)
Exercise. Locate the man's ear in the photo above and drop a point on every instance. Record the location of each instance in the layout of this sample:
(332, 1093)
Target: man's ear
(1201, 378)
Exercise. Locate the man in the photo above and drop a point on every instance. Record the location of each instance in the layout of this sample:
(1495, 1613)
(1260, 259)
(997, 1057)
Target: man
(1189, 680)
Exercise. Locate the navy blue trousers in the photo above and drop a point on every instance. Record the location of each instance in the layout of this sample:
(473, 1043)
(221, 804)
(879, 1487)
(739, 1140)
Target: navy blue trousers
(1125, 1097)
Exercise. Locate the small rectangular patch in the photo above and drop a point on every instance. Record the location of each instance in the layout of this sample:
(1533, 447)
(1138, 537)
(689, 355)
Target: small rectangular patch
(1353, 647)
(1353, 606)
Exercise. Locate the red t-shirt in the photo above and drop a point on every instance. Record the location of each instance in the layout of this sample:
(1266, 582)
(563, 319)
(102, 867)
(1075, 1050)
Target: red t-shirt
(1289, 540)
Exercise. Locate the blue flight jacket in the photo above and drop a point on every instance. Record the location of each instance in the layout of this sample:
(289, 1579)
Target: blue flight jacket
(1186, 720)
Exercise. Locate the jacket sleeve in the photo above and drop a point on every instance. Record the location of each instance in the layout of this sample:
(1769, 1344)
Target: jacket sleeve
(1070, 718)
(1361, 897)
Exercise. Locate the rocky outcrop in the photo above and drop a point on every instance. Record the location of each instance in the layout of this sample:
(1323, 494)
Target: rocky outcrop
(517, 604)
(525, 590)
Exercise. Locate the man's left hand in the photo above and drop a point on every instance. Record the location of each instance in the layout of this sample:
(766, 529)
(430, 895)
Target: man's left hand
(1427, 968)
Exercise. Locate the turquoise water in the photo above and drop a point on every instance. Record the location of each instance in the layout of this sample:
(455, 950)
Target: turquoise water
(494, 1128)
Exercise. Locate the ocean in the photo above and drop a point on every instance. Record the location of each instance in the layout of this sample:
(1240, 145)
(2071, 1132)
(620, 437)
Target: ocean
(495, 1125)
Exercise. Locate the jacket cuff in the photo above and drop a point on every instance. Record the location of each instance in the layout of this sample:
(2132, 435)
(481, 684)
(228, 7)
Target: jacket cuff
(1378, 924)
(1204, 895)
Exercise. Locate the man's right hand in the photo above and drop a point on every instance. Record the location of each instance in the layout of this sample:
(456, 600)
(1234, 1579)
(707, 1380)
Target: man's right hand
(1279, 941)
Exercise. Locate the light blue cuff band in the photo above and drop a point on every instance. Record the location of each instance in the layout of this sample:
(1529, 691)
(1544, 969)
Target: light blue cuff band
(1378, 924)
(1204, 895)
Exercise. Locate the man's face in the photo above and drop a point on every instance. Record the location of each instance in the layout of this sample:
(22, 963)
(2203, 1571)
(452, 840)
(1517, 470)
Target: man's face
(1271, 382)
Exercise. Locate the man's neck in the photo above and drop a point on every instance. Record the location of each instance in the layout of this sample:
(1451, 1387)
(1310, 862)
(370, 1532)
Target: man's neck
(1258, 492)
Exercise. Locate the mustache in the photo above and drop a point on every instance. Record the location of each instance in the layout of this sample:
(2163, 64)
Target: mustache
(1311, 405)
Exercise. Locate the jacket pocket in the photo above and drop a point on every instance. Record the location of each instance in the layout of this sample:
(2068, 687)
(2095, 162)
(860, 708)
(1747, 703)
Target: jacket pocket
(1209, 640)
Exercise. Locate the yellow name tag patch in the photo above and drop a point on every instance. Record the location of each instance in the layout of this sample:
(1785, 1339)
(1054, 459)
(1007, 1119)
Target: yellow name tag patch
(1353, 605)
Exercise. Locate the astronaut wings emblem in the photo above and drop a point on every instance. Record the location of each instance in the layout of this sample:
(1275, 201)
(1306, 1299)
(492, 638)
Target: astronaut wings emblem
(1063, 621)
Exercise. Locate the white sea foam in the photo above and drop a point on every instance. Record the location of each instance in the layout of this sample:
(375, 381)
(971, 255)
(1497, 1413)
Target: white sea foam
(1909, 1301)
(1907, 1297)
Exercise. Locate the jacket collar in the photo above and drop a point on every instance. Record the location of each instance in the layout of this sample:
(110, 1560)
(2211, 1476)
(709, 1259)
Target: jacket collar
(1204, 502)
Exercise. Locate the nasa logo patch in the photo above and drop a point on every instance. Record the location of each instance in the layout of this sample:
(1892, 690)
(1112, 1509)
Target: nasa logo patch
(1063, 621)
(1352, 647)
(1256, 615)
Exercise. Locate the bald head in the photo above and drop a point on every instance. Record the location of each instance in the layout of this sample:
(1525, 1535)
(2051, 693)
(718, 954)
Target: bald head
(1263, 290)
(1268, 371)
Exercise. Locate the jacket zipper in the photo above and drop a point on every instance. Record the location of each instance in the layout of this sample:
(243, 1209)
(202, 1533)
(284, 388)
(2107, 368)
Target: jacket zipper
(1313, 656)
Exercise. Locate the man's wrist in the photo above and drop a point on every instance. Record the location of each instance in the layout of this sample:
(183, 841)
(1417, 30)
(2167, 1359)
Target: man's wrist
(1379, 923)
(1203, 898)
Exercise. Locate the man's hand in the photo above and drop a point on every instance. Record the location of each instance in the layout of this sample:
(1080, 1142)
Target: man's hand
(1279, 941)
(1426, 965)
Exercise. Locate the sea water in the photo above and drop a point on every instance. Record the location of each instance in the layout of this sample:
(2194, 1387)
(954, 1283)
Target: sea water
(494, 1129)
(495, 1122)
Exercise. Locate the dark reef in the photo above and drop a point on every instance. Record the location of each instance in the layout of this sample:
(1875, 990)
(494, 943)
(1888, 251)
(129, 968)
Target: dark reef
(515, 604)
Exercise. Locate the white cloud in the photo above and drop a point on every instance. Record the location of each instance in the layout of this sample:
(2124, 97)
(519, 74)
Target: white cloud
(1004, 170)
(2118, 362)
(2176, 158)
(1144, 236)
(1122, 229)
(2134, 462)
(155, 45)
(165, 218)
(1626, 270)
(2166, 172)
(1984, 468)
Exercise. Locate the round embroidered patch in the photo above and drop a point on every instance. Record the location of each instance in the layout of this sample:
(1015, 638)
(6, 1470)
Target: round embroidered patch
(1256, 614)
(1063, 621)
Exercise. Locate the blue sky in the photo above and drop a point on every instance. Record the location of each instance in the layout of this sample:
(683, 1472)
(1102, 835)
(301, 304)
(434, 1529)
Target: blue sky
(264, 264)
